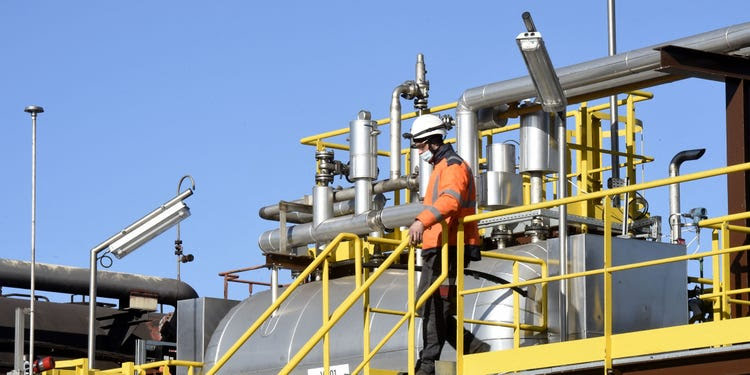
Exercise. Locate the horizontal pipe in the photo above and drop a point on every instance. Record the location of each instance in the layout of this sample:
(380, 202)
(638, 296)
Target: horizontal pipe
(74, 280)
(604, 69)
(386, 219)
(271, 212)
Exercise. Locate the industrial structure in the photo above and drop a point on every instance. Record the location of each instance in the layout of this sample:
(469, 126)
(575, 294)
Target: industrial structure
(575, 277)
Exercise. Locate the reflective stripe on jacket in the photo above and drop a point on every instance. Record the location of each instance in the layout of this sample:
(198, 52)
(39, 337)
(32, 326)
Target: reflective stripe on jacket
(451, 195)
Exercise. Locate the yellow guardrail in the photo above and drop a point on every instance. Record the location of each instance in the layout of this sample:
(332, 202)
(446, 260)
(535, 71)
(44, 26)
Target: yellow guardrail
(321, 259)
(721, 292)
(80, 367)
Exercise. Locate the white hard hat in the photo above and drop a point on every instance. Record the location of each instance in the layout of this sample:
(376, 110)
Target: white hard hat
(425, 126)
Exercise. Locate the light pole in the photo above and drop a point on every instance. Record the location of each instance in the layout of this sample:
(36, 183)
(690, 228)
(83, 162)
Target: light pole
(33, 110)
(553, 99)
(127, 241)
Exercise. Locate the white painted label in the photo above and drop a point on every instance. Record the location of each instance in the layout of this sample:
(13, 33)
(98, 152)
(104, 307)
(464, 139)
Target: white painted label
(332, 370)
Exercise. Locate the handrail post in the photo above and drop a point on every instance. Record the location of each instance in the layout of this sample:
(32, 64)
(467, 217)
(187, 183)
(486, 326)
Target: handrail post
(516, 310)
(726, 312)
(716, 273)
(412, 310)
(460, 246)
(607, 285)
(326, 315)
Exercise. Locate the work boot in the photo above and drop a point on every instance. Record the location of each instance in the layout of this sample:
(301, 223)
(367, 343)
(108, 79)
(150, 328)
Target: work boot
(478, 346)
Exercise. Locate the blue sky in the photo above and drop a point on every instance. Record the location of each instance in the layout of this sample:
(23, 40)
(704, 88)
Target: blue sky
(139, 93)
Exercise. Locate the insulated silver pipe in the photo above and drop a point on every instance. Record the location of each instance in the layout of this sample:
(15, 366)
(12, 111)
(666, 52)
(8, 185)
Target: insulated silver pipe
(274, 287)
(562, 192)
(271, 212)
(613, 127)
(589, 77)
(674, 190)
(362, 196)
(322, 204)
(414, 159)
(466, 138)
(388, 218)
(535, 187)
(604, 69)
(395, 134)
(19, 341)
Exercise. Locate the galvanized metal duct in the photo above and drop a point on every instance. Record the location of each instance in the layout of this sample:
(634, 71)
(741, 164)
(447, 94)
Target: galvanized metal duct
(388, 218)
(74, 280)
(587, 77)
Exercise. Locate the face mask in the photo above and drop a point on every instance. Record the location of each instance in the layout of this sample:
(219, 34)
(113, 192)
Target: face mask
(426, 156)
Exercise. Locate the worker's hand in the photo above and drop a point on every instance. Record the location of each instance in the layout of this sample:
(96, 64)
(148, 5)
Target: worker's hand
(415, 232)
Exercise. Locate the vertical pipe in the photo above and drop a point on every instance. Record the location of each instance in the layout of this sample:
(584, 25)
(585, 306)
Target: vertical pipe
(414, 162)
(274, 287)
(466, 137)
(395, 114)
(19, 341)
(362, 196)
(563, 223)
(536, 192)
(614, 138)
(322, 204)
(92, 308)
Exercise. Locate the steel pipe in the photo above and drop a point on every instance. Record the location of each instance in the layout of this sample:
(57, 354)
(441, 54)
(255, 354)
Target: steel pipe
(614, 128)
(623, 69)
(386, 219)
(674, 190)
(74, 280)
(271, 212)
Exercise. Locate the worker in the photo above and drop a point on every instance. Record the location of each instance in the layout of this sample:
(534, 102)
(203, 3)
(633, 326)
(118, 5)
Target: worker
(450, 196)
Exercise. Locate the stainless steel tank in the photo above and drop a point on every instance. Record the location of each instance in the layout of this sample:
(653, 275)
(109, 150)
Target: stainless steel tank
(281, 336)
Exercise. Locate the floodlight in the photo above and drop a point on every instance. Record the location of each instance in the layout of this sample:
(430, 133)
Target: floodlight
(169, 217)
(541, 71)
(126, 241)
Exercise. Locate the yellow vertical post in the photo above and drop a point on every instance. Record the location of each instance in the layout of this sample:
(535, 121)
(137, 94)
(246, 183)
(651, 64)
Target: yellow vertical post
(630, 144)
(365, 273)
(725, 272)
(407, 171)
(582, 162)
(516, 310)
(716, 274)
(411, 309)
(459, 288)
(326, 315)
(607, 286)
(128, 368)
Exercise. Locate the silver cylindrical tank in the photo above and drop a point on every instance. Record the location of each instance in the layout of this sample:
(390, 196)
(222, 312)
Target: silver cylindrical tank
(501, 157)
(363, 144)
(500, 186)
(537, 141)
(278, 340)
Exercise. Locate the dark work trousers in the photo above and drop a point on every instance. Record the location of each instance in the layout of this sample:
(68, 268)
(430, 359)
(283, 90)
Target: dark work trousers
(438, 322)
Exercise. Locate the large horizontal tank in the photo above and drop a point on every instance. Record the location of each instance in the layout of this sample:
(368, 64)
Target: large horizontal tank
(638, 305)
(276, 342)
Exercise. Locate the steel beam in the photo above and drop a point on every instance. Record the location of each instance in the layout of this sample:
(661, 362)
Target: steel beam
(702, 64)
(738, 184)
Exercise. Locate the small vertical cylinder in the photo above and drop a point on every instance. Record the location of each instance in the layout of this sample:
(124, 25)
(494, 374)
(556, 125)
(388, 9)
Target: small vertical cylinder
(322, 204)
(414, 163)
(535, 188)
(362, 196)
(274, 286)
(501, 157)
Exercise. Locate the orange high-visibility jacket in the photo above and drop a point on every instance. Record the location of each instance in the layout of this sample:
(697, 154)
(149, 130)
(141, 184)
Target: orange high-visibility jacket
(451, 195)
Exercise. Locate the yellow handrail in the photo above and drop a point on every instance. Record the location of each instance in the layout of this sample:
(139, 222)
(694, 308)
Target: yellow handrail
(720, 289)
(323, 256)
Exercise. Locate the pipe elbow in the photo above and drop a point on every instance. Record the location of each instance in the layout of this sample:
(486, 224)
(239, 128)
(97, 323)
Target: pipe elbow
(683, 156)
